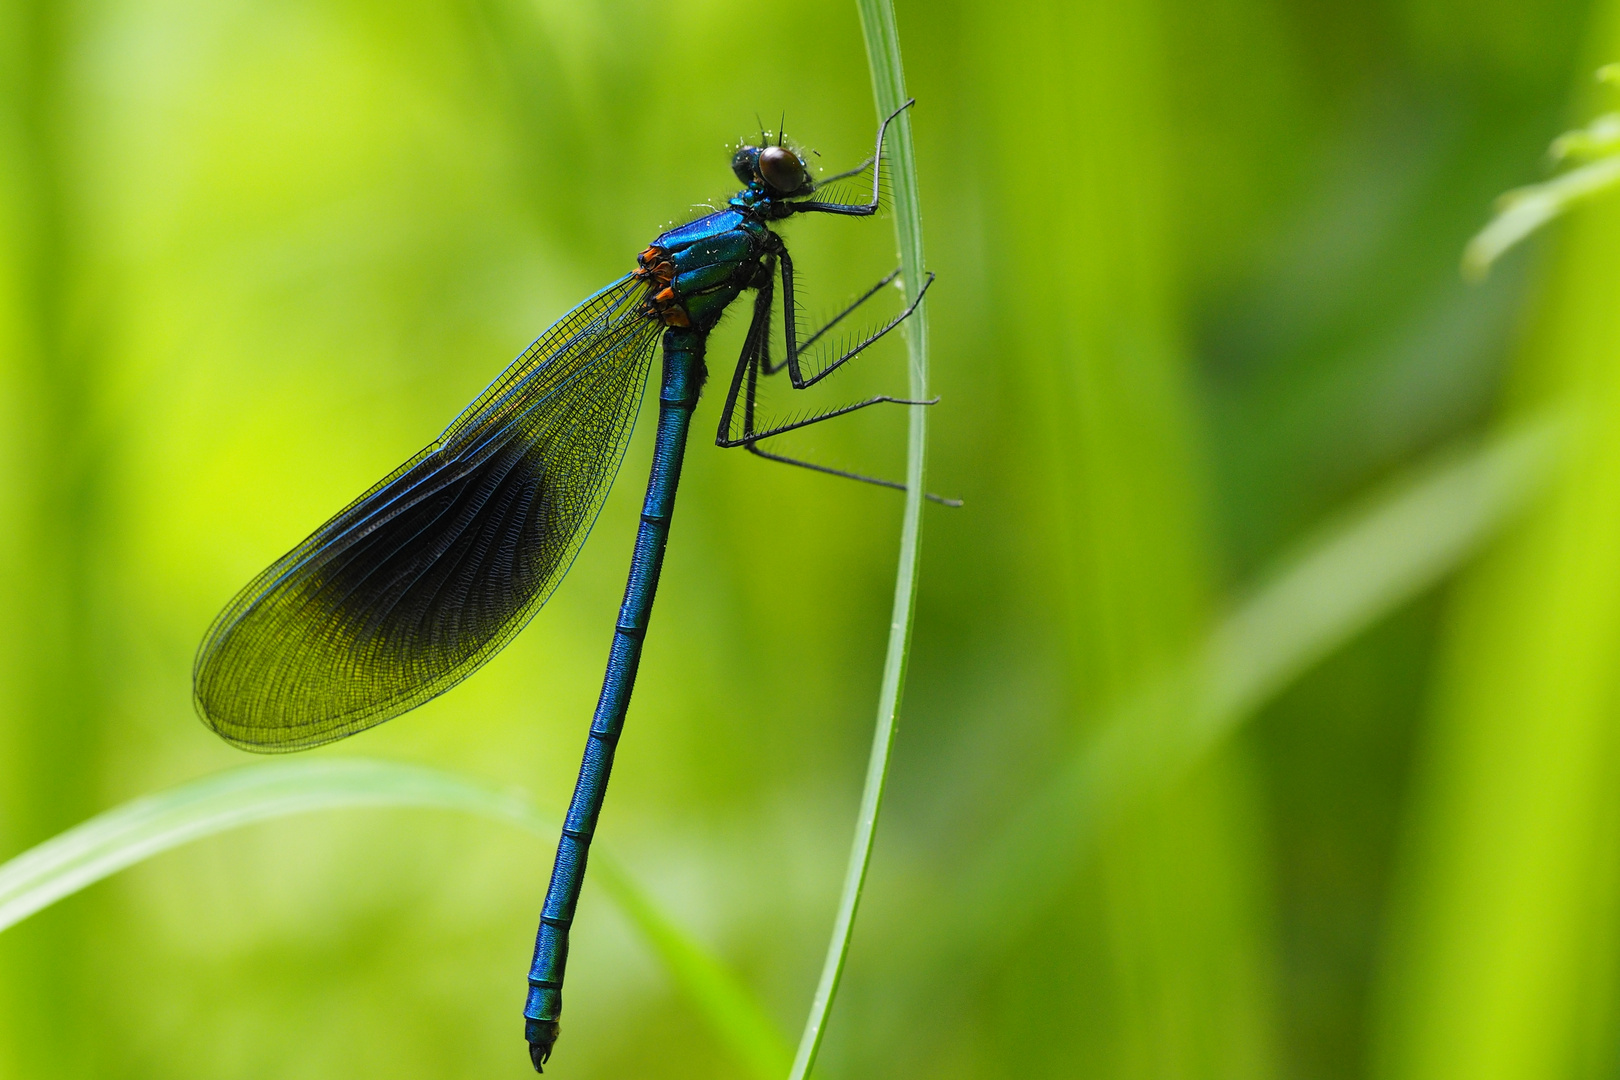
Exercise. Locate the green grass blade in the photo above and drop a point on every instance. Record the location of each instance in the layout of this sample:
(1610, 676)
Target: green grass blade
(1354, 571)
(1363, 564)
(1524, 210)
(1498, 951)
(889, 90)
(735, 1015)
(153, 824)
(150, 825)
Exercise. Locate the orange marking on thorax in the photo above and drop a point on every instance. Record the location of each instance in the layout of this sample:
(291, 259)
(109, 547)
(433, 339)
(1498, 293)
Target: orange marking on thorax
(654, 265)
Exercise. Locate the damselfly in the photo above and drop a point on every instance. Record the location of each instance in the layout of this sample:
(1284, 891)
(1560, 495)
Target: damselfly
(412, 586)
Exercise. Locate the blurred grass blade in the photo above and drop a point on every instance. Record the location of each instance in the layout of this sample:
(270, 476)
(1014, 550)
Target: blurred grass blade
(1353, 572)
(1524, 210)
(889, 90)
(736, 1016)
(1497, 952)
(1365, 564)
(147, 826)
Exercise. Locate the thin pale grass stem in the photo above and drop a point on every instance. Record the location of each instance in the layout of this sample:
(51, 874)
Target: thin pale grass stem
(889, 89)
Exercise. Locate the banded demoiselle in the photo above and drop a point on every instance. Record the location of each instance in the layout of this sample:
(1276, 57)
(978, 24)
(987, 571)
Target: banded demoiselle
(411, 587)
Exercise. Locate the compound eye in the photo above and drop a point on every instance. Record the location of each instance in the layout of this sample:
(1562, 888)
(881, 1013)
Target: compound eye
(782, 169)
(743, 162)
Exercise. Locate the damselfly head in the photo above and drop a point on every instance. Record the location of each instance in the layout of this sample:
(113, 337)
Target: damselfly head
(782, 171)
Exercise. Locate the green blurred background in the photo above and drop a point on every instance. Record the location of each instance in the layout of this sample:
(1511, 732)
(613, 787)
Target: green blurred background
(1197, 294)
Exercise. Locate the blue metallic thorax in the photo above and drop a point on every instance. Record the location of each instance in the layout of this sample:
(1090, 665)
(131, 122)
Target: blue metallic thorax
(698, 269)
(759, 200)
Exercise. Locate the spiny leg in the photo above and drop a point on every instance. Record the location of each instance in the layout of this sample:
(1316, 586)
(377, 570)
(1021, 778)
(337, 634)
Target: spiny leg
(755, 353)
(745, 386)
(830, 471)
(846, 174)
(747, 373)
(755, 342)
(750, 441)
(768, 368)
(815, 206)
(790, 329)
(749, 436)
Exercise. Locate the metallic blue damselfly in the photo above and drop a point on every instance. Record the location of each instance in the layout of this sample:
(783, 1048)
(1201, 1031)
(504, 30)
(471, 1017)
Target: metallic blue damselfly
(411, 587)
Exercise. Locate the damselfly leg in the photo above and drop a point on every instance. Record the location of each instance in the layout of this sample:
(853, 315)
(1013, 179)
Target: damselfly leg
(755, 361)
(769, 368)
(816, 206)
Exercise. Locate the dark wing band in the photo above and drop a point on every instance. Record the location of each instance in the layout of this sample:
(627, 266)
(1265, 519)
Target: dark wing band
(415, 584)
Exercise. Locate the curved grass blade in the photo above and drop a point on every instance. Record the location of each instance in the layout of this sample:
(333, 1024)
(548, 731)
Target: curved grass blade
(147, 826)
(1354, 571)
(1522, 211)
(889, 90)
(418, 582)
(735, 1016)
(153, 824)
